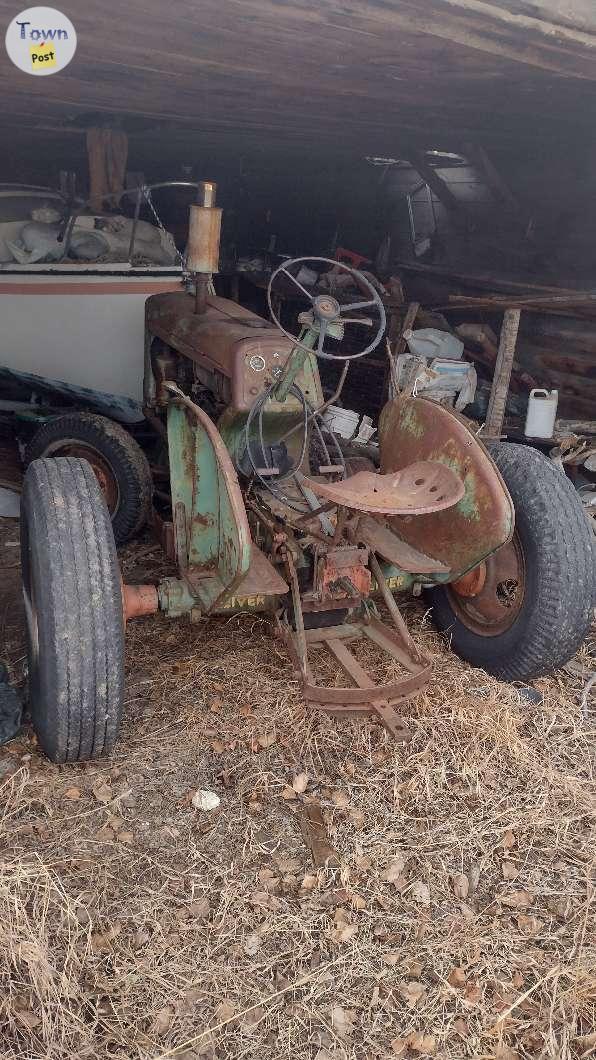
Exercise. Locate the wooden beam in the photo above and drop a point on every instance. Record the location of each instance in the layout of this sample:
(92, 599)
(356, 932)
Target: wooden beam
(577, 300)
(495, 415)
(543, 42)
(480, 158)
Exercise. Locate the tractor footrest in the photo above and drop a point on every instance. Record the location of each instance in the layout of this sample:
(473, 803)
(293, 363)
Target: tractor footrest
(364, 696)
(381, 539)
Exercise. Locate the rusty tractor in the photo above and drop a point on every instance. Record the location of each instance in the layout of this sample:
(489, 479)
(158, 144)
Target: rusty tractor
(266, 511)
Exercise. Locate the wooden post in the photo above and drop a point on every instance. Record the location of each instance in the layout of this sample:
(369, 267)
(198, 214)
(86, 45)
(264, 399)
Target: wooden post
(495, 415)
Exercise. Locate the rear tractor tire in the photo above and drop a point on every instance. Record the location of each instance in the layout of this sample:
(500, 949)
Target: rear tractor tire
(527, 610)
(118, 462)
(73, 605)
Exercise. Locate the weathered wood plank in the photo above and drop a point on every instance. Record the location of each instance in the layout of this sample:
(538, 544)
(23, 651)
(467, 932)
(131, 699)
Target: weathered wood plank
(328, 69)
(503, 368)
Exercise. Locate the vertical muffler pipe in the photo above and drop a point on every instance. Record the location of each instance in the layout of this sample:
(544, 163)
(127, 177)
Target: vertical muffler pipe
(204, 231)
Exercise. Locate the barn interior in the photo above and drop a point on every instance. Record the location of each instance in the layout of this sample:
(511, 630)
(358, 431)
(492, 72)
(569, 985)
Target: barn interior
(244, 875)
(447, 145)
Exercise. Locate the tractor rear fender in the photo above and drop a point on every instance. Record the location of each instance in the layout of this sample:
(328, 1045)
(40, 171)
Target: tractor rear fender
(413, 428)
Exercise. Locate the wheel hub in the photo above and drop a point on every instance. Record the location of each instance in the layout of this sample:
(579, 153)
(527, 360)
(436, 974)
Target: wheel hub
(101, 469)
(326, 308)
(489, 598)
(471, 583)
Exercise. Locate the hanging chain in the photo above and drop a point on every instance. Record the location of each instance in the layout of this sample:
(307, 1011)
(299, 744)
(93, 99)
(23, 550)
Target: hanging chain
(187, 276)
(147, 193)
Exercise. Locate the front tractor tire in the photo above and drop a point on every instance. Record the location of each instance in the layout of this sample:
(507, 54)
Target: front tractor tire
(528, 609)
(73, 606)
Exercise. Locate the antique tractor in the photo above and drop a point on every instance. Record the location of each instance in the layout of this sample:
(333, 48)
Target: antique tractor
(268, 512)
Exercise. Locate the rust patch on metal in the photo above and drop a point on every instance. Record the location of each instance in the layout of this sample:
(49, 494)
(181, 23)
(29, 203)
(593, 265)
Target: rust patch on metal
(364, 697)
(261, 579)
(139, 600)
(498, 600)
(380, 539)
(343, 572)
(203, 521)
(417, 489)
(471, 583)
(223, 339)
(100, 467)
(483, 519)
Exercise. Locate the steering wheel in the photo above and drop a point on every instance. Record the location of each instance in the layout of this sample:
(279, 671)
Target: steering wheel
(327, 310)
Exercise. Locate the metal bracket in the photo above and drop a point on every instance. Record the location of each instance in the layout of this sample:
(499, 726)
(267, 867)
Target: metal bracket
(364, 696)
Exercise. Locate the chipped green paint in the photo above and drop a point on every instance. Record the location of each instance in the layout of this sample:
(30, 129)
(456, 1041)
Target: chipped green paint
(411, 423)
(460, 537)
(468, 505)
(214, 546)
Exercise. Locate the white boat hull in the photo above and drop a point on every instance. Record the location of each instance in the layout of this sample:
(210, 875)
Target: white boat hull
(85, 330)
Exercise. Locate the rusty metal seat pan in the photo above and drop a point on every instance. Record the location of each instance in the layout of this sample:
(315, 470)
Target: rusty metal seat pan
(415, 428)
(423, 487)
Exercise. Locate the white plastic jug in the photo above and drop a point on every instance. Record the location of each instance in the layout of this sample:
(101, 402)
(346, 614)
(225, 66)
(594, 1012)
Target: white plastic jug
(542, 413)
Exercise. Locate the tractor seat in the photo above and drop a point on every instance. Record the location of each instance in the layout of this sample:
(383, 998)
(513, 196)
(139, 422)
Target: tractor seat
(423, 487)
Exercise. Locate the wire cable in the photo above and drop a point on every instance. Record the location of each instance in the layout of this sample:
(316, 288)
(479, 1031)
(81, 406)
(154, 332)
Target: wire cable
(309, 416)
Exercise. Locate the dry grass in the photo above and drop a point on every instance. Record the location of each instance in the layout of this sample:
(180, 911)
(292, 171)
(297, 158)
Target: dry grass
(460, 924)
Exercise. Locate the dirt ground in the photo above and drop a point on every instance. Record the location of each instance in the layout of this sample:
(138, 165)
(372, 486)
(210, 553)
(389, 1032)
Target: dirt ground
(457, 922)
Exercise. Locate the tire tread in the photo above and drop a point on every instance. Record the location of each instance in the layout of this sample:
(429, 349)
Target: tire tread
(560, 580)
(77, 701)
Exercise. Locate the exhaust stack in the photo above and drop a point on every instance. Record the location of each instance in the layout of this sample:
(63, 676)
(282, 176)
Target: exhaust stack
(204, 230)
